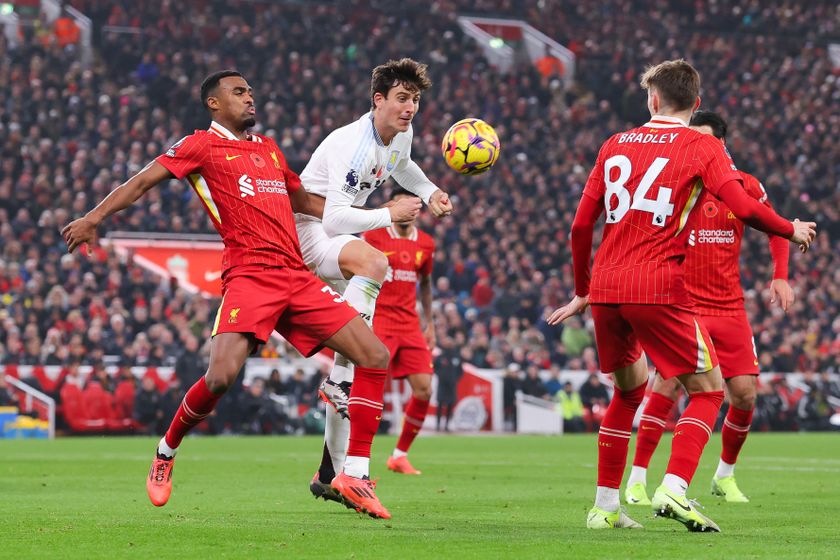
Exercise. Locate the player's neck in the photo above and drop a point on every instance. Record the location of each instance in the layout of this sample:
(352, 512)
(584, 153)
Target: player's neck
(385, 134)
(231, 128)
(683, 116)
(404, 230)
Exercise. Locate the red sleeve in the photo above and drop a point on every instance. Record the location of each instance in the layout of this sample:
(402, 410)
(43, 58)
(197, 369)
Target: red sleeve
(185, 156)
(780, 251)
(595, 186)
(752, 212)
(779, 246)
(582, 228)
(716, 167)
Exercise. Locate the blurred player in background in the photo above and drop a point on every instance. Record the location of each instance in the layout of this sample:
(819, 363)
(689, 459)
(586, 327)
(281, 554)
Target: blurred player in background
(250, 194)
(410, 255)
(345, 169)
(713, 280)
(648, 181)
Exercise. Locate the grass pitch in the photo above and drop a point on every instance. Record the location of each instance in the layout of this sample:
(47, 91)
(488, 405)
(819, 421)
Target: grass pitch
(478, 497)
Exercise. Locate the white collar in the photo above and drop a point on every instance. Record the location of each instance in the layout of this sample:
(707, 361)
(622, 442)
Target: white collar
(223, 132)
(663, 121)
(392, 231)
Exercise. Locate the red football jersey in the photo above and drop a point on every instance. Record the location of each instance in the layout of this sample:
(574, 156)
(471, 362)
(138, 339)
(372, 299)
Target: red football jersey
(409, 258)
(650, 179)
(712, 270)
(244, 187)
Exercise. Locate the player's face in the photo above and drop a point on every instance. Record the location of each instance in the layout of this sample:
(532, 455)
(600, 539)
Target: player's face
(235, 102)
(398, 108)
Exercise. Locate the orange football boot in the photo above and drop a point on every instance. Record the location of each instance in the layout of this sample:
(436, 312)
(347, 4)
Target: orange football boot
(401, 465)
(159, 483)
(359, 494)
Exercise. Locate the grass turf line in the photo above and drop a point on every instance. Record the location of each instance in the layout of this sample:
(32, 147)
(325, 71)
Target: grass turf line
(478, 497)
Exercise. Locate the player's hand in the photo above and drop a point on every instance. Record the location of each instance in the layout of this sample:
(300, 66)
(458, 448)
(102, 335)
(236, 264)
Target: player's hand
(405, 209)
(575, 307)
(79, 232)
(439, 204)
(429, 336)
(781, 291)
(803, 234)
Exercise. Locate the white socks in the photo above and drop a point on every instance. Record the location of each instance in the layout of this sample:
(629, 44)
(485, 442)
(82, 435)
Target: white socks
(336, 436)
(164, 449)
(357, 467)
(637, 474)
(607, 498)
(361, 292)
(675, 484)
(397, 454)
(724, 470)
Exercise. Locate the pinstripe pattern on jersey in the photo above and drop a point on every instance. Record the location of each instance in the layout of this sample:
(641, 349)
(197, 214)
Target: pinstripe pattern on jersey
(640, 261)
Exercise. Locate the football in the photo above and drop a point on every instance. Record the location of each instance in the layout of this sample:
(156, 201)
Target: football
(470, 146)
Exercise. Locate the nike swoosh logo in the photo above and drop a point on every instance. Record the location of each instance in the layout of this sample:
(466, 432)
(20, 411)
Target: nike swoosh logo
(227, 157)
(388, 253)
(682, 506)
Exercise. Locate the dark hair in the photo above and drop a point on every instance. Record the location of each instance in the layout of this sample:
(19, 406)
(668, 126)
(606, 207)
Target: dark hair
(210, 82)
(712, 120)
(676, 82)
(405, 71)
(399, 191)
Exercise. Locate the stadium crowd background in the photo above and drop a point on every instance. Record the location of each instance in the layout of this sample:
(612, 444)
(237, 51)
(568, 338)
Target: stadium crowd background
(69, 135)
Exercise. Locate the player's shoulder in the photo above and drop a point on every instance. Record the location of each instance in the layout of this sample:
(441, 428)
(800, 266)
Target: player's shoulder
(196, 140)
(425, 240)
(753, 186)
(376, 236)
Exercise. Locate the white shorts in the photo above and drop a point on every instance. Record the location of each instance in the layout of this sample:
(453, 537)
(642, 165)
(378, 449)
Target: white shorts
(320, 251)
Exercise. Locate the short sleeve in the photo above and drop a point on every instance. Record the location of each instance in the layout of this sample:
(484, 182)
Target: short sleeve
(716, 167)
(186, 156)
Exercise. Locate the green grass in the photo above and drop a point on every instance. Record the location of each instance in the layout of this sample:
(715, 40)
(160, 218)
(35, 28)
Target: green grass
(479, 497)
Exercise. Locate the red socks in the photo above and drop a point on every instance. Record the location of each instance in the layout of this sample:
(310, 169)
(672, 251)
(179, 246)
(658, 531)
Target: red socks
(651, 426)
(415, 414)
(614, 435)
(198, 403)
(692, 432)
(365, 407)
(736, 426)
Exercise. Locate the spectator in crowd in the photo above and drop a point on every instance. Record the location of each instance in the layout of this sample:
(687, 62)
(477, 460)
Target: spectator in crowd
(813, 411)
(275, 385)
(147, 411)
(532, 384)
(257, 412)
(594, 393)
(570, 406)
(553, 386)
(448, 369)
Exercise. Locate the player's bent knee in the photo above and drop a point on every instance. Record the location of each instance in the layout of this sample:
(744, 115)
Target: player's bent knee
(376, 265)
(744, 401)
(423, 393)
(377, 356)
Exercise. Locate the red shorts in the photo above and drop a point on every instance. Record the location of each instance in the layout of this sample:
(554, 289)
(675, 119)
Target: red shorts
(409, 354)
(259, 299)
(734, 344)
(671, 335)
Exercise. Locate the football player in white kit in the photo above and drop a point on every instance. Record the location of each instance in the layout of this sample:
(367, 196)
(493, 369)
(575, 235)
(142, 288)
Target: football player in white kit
(345, 169)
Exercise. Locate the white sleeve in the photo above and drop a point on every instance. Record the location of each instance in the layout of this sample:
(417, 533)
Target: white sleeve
(339, 214)
(410, 177)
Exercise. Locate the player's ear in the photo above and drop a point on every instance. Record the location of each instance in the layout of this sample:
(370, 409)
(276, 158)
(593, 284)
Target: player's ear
(377, 99)
(213, 103)
(696, 105)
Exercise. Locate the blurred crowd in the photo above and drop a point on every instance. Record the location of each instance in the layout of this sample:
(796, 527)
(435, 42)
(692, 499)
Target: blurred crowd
(69, 135)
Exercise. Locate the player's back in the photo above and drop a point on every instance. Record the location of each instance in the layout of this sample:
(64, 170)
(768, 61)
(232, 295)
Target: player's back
(650, 178)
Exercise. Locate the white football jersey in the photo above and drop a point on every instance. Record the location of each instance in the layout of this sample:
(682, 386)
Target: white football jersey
(350, 163)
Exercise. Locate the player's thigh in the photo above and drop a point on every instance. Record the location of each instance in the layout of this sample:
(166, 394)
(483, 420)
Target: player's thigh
(358, 257)
(320, 251)
(734, 344)
(356, 342)
(228, 352)
(315, 313)
(410, 355)
(672, 337)
(618, 347)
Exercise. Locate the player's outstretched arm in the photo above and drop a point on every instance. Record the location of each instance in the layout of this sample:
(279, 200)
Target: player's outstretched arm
(760, 217)
(83, 230)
